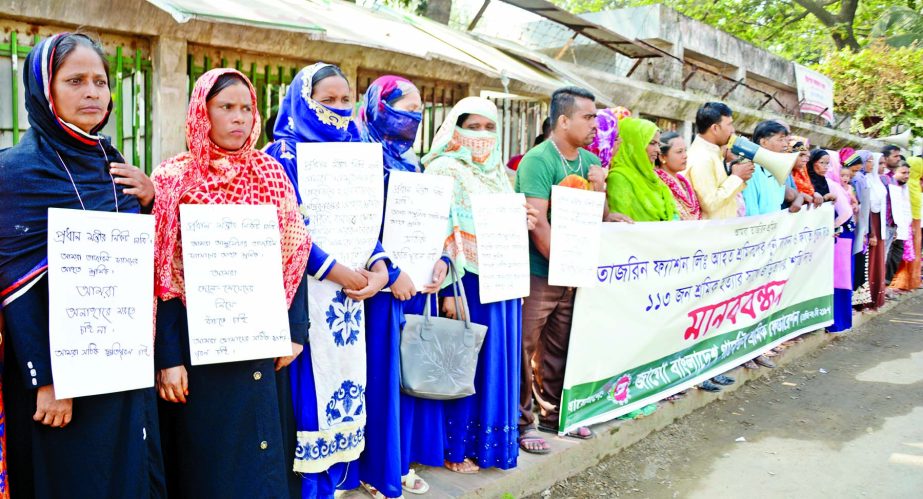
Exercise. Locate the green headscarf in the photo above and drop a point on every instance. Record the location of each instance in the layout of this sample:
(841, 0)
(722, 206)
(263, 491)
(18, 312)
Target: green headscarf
(633, 187)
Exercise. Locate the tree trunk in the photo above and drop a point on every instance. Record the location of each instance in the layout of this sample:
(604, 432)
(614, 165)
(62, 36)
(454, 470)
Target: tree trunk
(840, 25)
(846, 39)
(439, 10)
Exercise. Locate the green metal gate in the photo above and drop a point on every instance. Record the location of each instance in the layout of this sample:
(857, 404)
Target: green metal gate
(130, 75)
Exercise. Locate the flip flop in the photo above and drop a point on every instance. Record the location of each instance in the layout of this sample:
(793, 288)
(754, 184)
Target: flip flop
(763, 361)
(676, 396)
(526, 437)
(461, 472)
(573, 434)
(372, 491)
(413, 479)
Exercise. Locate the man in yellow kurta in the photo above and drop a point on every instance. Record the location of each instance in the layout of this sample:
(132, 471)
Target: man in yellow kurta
(907, 277)
(717, 190)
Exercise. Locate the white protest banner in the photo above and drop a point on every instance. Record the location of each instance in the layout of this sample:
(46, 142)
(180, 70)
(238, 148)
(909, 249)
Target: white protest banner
(416, 218)
(503, 245)
(681, 302)
(342, 193)
(100, 301)
(901, 212)
(815, 92)
(576, 222)
(235, 299)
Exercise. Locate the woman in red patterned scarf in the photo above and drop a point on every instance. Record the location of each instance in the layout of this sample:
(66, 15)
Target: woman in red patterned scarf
(670, 163)
(232, 416)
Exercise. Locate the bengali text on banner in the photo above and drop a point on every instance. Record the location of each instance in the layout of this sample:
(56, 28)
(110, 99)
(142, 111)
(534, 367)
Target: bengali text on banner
(681, 302)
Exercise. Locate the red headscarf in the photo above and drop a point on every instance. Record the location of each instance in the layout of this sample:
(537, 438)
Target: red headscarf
(208, 174)
(800, 175)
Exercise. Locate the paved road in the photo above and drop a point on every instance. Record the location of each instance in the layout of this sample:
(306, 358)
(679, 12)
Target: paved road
(854, 431)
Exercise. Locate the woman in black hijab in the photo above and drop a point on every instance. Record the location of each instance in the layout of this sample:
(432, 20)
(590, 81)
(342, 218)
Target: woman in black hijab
(96, 446)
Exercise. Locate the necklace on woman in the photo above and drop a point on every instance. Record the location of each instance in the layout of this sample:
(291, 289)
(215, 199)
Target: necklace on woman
(115, 196)
(568, 170)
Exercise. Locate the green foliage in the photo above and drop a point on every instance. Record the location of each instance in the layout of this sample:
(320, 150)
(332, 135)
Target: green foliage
(900, 26)
(881, 86)
(780, 26)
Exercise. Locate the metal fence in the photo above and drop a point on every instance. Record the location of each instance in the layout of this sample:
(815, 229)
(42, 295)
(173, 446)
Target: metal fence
(520, 123)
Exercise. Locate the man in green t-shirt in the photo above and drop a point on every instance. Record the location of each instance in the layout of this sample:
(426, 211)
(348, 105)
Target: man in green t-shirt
(548, 310)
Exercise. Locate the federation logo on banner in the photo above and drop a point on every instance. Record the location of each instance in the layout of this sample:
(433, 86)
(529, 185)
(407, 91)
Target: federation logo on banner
(621, 391)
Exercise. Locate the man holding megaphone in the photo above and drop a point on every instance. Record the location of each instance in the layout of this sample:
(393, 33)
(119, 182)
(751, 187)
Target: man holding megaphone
(717, 188)
(768, 190)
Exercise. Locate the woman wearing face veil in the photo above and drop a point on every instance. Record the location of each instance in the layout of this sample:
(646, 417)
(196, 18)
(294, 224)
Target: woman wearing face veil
(329, 387)
(390, 116)
(101, 446)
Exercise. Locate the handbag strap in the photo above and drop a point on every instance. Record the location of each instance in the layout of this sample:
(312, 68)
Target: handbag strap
(458, 289)
(427, 310)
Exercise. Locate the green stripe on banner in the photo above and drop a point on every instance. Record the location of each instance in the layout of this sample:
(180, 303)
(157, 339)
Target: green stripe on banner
(618, 395)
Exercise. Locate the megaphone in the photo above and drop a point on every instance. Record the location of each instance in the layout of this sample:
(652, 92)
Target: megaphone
(778, 163)
(902, 139)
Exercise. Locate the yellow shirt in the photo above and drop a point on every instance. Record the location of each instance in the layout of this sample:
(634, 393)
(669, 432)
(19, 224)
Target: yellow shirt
(717, 191)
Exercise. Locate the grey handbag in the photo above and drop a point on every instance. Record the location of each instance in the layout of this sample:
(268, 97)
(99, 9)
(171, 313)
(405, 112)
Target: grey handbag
(439, 356)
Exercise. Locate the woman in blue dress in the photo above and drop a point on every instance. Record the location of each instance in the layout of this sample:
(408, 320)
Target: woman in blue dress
(481, 430)
(328, 378)
(390, 115)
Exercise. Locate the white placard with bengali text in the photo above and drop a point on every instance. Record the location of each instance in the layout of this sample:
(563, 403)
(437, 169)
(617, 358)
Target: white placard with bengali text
(235, 297)
(416, 218)
(100, 301)
(903, 218)
(576, 222)
(815, 92)
(503, 246)
(342, 193)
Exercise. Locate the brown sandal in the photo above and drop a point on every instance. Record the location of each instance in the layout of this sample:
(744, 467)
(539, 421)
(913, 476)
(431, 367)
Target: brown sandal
(466, 467)
(530, 436)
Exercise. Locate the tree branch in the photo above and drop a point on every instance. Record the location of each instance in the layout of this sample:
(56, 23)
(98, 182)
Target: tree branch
(786, 23)
(818, 11)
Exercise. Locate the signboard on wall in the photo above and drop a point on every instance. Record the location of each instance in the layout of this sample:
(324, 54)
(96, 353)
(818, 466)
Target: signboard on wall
(815, 92)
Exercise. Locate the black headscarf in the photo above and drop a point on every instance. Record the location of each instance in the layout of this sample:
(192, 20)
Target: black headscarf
(818, 181)
(33, 179)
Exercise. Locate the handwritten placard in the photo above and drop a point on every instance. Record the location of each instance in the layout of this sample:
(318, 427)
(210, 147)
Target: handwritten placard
(100, 301)
(503, 246)
(415, 222)
(901, 210)
(576, 221)
(342, 193)
(235, 299)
